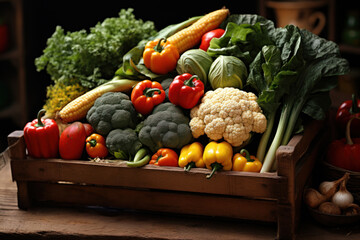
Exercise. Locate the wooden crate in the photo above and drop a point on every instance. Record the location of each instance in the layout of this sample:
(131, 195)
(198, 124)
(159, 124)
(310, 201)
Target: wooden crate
(269, 197)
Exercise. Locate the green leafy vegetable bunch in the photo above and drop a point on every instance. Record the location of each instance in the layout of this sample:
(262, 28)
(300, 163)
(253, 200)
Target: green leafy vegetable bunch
(91, 58)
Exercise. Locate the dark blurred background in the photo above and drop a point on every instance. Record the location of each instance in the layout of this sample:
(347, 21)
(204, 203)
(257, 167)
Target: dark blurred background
(40, 17)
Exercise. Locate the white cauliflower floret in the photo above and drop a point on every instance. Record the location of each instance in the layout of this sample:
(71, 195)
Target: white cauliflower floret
(215, 128)
(198, 127)
(228, 113)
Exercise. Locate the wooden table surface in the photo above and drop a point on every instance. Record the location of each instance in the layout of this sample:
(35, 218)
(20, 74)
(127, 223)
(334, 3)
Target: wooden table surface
(100, 224)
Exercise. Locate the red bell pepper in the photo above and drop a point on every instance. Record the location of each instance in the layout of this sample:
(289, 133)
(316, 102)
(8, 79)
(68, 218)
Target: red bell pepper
(42, 137)
(186, 90)
(346, 111)
(206, 38)
(345, 152)
(146, 95)
(4, 36)
(165, 157)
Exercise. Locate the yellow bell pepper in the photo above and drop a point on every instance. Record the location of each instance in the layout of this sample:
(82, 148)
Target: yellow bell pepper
(218, 156)
(191, 156)
(244, 162)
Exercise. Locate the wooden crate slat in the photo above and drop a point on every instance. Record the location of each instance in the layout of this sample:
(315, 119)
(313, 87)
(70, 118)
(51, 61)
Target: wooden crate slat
(152, 200)
(152, 177)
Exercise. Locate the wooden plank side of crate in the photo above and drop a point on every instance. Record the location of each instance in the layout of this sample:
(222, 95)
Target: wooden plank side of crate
(298, 145)
(296, 161)
(17, 147)
(154, 200)
(266, 185)
(150, 177)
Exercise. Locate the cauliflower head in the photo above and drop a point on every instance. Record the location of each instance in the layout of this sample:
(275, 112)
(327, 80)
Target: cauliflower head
(228, 113)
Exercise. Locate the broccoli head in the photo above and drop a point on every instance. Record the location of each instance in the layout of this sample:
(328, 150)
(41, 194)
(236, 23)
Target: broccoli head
(123, 143)
(167, 126)
(113, 110)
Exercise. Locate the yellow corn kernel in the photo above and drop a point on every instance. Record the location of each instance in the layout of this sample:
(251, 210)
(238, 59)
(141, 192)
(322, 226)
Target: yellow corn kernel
(189, 37)
(78, 108)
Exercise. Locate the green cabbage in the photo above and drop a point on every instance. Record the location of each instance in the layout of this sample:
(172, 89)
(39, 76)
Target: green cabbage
(196, 62)
(227, 71)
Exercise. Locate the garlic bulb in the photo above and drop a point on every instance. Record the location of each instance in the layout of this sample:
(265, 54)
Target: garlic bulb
(329, 208)
(343, 197)
(328, 189)
(313, 198)
(352, 209)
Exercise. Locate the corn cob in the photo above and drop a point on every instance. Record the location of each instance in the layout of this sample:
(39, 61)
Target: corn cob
(78, 108)
(189, 37)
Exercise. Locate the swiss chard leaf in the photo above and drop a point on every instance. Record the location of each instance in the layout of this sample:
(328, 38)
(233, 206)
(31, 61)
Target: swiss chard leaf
(243, 41)
(267, 25)
(275, 69)
(316, 80)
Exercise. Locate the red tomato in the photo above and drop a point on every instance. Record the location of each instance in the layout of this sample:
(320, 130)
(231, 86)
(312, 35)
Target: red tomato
(72, 141)
(206, 38)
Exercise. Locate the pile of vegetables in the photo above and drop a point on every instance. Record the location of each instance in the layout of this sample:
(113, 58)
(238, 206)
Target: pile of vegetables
(194, 94)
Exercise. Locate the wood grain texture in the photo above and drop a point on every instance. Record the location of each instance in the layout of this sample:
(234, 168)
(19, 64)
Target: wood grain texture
(54, 223)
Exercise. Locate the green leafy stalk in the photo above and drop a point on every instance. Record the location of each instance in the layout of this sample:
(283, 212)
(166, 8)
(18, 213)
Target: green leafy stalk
(273, 72)
(318, 77)
(265, 137)
(269, 162)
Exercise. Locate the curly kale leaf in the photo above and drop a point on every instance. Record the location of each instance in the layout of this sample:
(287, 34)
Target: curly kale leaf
(93, 57)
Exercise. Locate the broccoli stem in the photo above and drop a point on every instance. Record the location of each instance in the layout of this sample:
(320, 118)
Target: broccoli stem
(265, 137)
(141, 158)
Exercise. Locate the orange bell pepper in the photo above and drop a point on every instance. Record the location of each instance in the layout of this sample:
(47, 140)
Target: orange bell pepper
(160, 56)
(165, 157)
(96, 146)
(244, 162)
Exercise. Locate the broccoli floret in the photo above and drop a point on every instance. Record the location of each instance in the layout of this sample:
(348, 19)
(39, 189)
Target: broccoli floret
(123, 143)
(113, 110)
(165, 85)
(167, 126)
